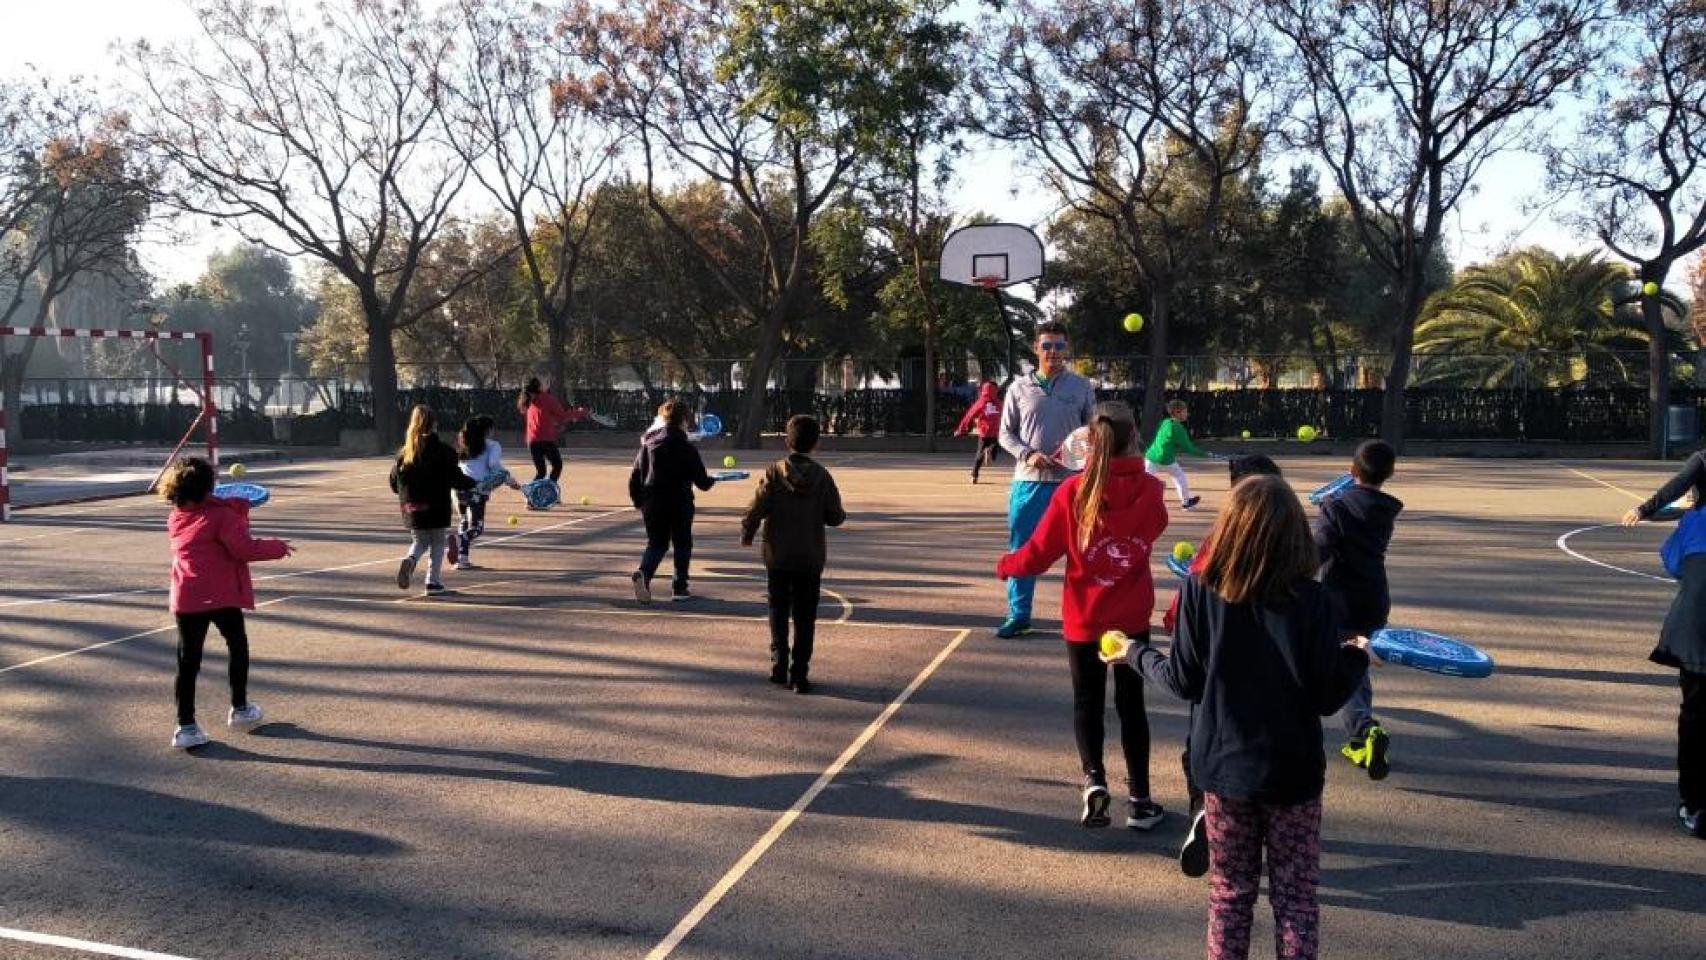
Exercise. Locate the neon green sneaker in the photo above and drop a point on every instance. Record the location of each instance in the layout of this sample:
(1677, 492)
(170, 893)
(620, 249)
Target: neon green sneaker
(1356, 751)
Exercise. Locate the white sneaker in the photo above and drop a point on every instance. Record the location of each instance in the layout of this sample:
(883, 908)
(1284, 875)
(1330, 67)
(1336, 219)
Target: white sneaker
(463, 564)
(245, 716)
(189, 735)
(642, 589)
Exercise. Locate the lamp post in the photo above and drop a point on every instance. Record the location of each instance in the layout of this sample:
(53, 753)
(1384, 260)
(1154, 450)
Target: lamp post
(290, 367)
(243, 352)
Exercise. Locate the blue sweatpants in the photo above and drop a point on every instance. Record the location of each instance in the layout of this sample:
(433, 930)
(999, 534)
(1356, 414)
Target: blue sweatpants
(1027, 500)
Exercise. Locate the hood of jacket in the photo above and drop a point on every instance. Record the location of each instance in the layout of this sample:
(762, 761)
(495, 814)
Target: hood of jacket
(1375, 509)
(658, 433)
(800, 475)
(183, 521)
(988, 392)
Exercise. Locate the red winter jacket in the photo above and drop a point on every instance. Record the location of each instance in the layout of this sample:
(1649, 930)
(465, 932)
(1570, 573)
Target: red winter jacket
(1108, 586)
(211, 553)
(545, 417)
(986, 410)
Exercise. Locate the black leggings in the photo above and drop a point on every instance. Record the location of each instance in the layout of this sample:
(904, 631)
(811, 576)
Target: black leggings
(986, 448)
(1089, 700)
(794, 595)
(668, 527)
(192, 636)
(545, 451)
(472, 504)
(1691, 742)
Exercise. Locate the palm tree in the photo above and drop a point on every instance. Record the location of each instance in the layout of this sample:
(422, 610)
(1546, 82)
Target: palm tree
(1533, 317)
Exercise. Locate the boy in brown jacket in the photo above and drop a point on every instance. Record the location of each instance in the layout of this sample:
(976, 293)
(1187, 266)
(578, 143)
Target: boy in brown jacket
(795, 501)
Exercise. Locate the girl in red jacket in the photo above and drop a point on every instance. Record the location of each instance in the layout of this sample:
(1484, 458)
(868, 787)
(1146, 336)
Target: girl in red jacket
(985, 411)
(1104, 521)
(546, 417)
(211, 553)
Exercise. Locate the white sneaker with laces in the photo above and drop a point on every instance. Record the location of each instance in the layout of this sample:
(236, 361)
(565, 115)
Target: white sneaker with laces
(244, 716)
(463, 564)
(189, 735)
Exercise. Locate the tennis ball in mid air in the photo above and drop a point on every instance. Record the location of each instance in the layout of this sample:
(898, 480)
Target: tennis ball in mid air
(513, 519)
(1133, 322)
(586, 501)
(237, 470)
(1114, 643)
(1650, 288)
(729, 461)
(1306, 433)
(1183, 550)
(1245, 435)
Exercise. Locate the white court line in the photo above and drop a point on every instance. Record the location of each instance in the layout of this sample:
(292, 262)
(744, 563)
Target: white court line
(715, 895)
(448, 599)
(108, 643)
(87, 946)
(1564, 545)
(73, 598)
(1606, 484)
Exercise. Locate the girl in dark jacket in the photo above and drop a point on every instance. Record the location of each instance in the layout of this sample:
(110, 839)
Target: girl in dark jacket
(423, 476)
(1682, 645)
(666, 470)
(1257, 652)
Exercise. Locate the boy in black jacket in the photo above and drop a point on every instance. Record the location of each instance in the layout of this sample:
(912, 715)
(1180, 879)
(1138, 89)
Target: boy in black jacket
(1352, 532)
(795, 501)
(666, 470)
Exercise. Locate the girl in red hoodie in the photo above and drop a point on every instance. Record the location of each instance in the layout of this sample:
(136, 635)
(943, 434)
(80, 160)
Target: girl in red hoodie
(985, 411)
(546, 417)
(1104, 521)
(211, 553)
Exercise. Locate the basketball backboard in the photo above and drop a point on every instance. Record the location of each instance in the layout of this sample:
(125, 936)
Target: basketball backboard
(992, 255)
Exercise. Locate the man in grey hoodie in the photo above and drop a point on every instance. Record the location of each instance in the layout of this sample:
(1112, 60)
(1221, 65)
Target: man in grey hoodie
(1040, 411)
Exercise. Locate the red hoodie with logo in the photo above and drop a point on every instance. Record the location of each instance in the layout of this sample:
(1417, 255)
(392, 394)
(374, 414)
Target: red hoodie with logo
(1108, 586)
(985, 411)
(211, 553)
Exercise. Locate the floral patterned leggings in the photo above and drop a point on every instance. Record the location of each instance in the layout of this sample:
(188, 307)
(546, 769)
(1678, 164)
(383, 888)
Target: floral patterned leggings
(1238, 830)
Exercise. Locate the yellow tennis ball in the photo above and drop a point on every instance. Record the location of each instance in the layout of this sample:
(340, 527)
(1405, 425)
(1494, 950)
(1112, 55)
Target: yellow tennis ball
(1113, 643)
(237, 471)
(729, 461)
(1306, 433)
(1650, 288)
(585, 501)
(1183, 550)
(1245, 434)
(1133, 322)
(513, 520)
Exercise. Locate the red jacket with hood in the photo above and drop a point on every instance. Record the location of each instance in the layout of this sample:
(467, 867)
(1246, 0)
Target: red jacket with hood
(986, 411)
(211, 553)
(1108, 586)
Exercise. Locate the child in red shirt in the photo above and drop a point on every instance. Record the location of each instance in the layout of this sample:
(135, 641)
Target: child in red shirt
(1104, 521)
(211, 553)
(985, 411)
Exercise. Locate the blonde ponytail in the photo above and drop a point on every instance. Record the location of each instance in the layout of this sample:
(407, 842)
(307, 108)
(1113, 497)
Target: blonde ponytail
(1113, 431)
(421, 424)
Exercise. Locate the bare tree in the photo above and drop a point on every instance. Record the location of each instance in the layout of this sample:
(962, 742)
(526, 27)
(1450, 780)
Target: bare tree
(73, 195)
(1406, 101)
(1639, 160)
(317, 136)
(1138, 113)
(539, 157)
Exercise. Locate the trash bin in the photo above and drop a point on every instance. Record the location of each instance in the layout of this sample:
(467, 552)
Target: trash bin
(1682, 425)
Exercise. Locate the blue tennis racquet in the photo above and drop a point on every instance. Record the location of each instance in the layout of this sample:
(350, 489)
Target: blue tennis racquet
(252, 492)
(1429, 651)
(1669, 514)
(541, 494)
(494, 480)
(730, 475)
(710, 425)
(1180, 568)
(1332, 489)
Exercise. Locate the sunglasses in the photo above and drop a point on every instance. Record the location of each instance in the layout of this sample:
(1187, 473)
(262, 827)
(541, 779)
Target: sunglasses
(1053, 345)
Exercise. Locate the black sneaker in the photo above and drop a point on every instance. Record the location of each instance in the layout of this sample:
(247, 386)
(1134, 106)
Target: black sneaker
(1191, 504)
(642, 589)
(779, 676)
(680, 593)
(801, 685)
(1193, 856)
(1379, 745)
(1096, 801)
(1142, 814)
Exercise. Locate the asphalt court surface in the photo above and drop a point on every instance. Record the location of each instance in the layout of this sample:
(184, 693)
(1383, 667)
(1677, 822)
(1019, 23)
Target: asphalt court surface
(535, 766)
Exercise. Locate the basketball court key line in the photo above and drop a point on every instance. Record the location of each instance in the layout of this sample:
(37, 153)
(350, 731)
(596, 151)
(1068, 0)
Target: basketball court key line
(721, 889)
(1563, 543)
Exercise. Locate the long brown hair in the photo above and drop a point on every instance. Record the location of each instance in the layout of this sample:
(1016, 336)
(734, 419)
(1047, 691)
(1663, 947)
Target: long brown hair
(525, 400)
(1113, 433)
(1262, 546)
(675, 413)
(421, 426)
(189, 481)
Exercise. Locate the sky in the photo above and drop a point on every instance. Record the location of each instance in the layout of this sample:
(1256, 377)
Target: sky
(990, 180)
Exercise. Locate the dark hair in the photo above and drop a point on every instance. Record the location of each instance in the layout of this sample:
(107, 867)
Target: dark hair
(1374, 462)
(803, 431)
(1051, 326)
(189, 481)
(526, 399)
(1262, 546)
(472, 439)
(1251, 465)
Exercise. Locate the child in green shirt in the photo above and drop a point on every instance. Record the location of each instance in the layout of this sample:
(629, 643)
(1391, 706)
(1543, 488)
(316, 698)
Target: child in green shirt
(1163, 454)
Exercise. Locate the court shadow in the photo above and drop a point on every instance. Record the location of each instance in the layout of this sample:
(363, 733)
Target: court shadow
(1653, 679)
(1500, 890)
(68, 806)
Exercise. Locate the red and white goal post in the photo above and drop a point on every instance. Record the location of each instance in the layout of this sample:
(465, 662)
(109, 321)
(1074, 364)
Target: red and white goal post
(207, 417)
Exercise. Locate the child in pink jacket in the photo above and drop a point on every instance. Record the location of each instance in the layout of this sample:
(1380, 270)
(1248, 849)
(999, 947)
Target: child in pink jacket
(211, 553)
